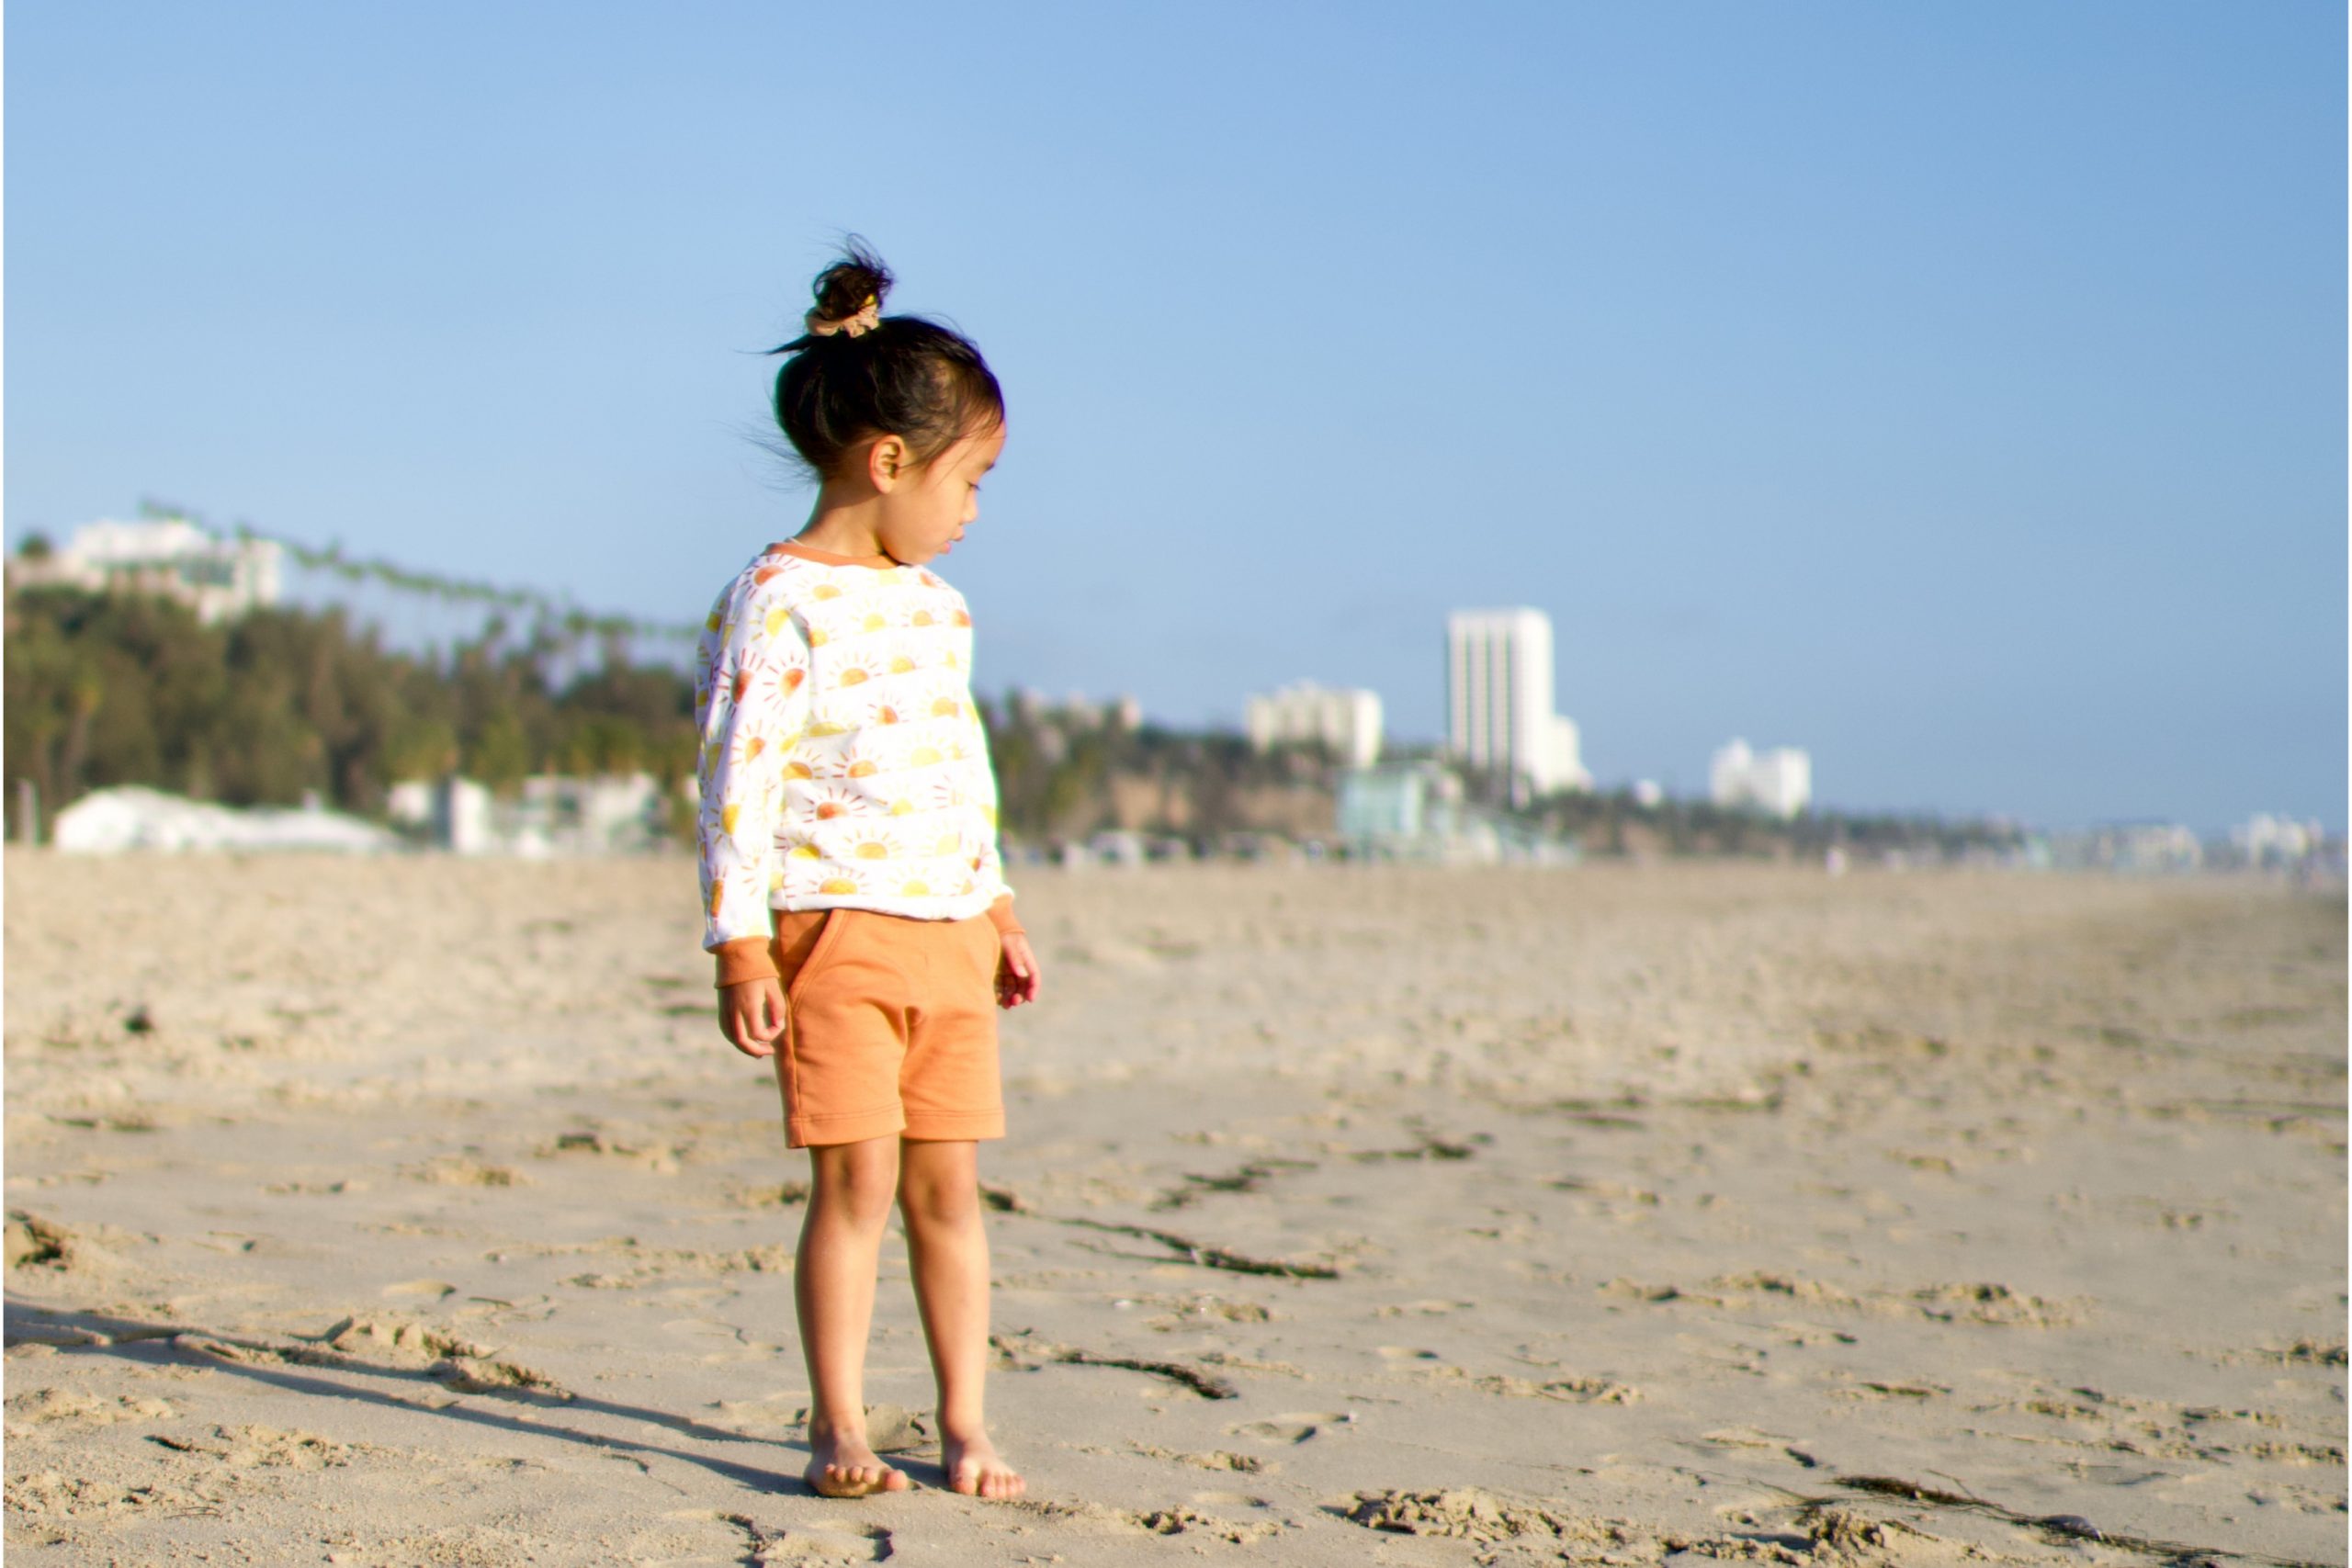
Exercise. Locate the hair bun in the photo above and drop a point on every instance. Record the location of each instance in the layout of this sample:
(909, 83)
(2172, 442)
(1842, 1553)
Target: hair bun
(847, 380)
(850, 293)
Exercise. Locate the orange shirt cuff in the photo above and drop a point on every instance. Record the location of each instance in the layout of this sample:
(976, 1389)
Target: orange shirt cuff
(746, 958)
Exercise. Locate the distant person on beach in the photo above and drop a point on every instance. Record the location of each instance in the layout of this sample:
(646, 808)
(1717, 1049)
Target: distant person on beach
(850, 874)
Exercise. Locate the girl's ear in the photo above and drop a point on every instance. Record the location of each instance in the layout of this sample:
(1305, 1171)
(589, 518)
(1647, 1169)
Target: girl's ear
(885, 461)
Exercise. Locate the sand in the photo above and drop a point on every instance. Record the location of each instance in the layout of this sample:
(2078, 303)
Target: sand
(412, 1211)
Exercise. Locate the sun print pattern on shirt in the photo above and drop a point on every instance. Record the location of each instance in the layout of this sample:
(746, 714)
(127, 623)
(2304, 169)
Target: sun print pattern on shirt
(843, 759)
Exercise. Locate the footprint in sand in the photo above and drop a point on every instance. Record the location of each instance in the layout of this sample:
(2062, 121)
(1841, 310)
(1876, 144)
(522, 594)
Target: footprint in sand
(83, 1409)
(803, 1543)
(389, 1337)
(776, 1412)
(247, 1448)
(1295, 1427)
(456, 1170)
(870, 1544)
(1753, 1437)
(723, 1342)
(1476, 1515)
(1220, 1458)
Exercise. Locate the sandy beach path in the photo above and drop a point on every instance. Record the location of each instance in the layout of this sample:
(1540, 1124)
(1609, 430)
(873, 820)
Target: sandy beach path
(412, 1211)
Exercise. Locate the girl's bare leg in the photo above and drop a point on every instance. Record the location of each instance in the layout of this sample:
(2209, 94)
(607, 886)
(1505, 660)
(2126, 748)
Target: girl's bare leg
(939, 1194)
(832, 1286)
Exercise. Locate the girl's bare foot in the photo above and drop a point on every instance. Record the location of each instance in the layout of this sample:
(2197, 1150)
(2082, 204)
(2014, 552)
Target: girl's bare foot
(974, 1469)
(843, 1466)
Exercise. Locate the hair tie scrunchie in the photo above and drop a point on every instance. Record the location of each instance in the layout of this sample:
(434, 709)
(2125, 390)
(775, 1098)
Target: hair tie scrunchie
(868, 317)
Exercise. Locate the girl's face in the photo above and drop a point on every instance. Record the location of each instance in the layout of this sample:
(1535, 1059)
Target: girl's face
(925, 510)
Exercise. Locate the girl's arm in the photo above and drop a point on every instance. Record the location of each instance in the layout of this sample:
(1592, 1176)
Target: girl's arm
(1017, 978)
(758, 706)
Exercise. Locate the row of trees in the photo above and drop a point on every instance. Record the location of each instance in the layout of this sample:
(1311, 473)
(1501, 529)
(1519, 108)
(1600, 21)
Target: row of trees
(126, 689)
(120, 689)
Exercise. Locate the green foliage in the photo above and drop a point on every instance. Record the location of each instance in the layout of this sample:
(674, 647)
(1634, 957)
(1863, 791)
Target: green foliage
(124, 689)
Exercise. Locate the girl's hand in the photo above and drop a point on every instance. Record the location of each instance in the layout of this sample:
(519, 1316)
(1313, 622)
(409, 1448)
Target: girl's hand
(750, 1014)
(1017, 977)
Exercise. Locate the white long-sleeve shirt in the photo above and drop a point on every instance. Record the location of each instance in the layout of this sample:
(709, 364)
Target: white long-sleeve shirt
(843, 763)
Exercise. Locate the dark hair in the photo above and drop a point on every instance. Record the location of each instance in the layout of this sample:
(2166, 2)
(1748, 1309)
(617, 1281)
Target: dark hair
(904, 376)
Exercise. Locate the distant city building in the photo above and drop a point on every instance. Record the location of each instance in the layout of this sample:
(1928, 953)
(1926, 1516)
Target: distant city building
(1498, 701)
(2268, 841)
(550, 815)
(1034, 710)
(1647, 795)
(171, 558)
(1346, 721)
(1778, 783)
(408, 803)
(2144, 848)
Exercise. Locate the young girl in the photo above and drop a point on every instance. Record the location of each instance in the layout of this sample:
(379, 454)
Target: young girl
(849, 859)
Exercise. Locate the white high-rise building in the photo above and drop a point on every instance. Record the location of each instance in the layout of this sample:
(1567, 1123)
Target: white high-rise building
(1498, 700)
(1346, 721)
(1779, 782)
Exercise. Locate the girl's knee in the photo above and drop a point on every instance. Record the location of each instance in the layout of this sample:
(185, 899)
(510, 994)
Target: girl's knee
(855, 1180)
(939, 1201)
(939, 1184)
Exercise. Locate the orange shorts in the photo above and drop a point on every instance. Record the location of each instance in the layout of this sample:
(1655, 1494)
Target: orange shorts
(889, 1027)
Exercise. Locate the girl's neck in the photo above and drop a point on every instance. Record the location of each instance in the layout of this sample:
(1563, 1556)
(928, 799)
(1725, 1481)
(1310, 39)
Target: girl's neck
(842, 525)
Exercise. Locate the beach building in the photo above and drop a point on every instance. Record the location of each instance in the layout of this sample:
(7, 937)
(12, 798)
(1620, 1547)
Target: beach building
(1401, 801)
(170, 557)
(1416, 811)
(1348, 721)
(1498, 701)
(1778, 783)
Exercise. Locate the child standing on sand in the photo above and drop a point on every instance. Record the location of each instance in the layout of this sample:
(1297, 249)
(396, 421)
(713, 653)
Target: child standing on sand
(853, 895)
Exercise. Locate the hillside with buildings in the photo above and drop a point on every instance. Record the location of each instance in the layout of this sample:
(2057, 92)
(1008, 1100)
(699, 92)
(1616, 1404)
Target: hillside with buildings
(155, 654)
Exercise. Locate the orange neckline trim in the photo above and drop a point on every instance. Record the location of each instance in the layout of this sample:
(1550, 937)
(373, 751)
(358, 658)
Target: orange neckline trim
(827, 558)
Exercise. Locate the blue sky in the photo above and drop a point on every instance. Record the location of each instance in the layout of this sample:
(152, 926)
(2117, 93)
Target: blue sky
(1955, 389)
